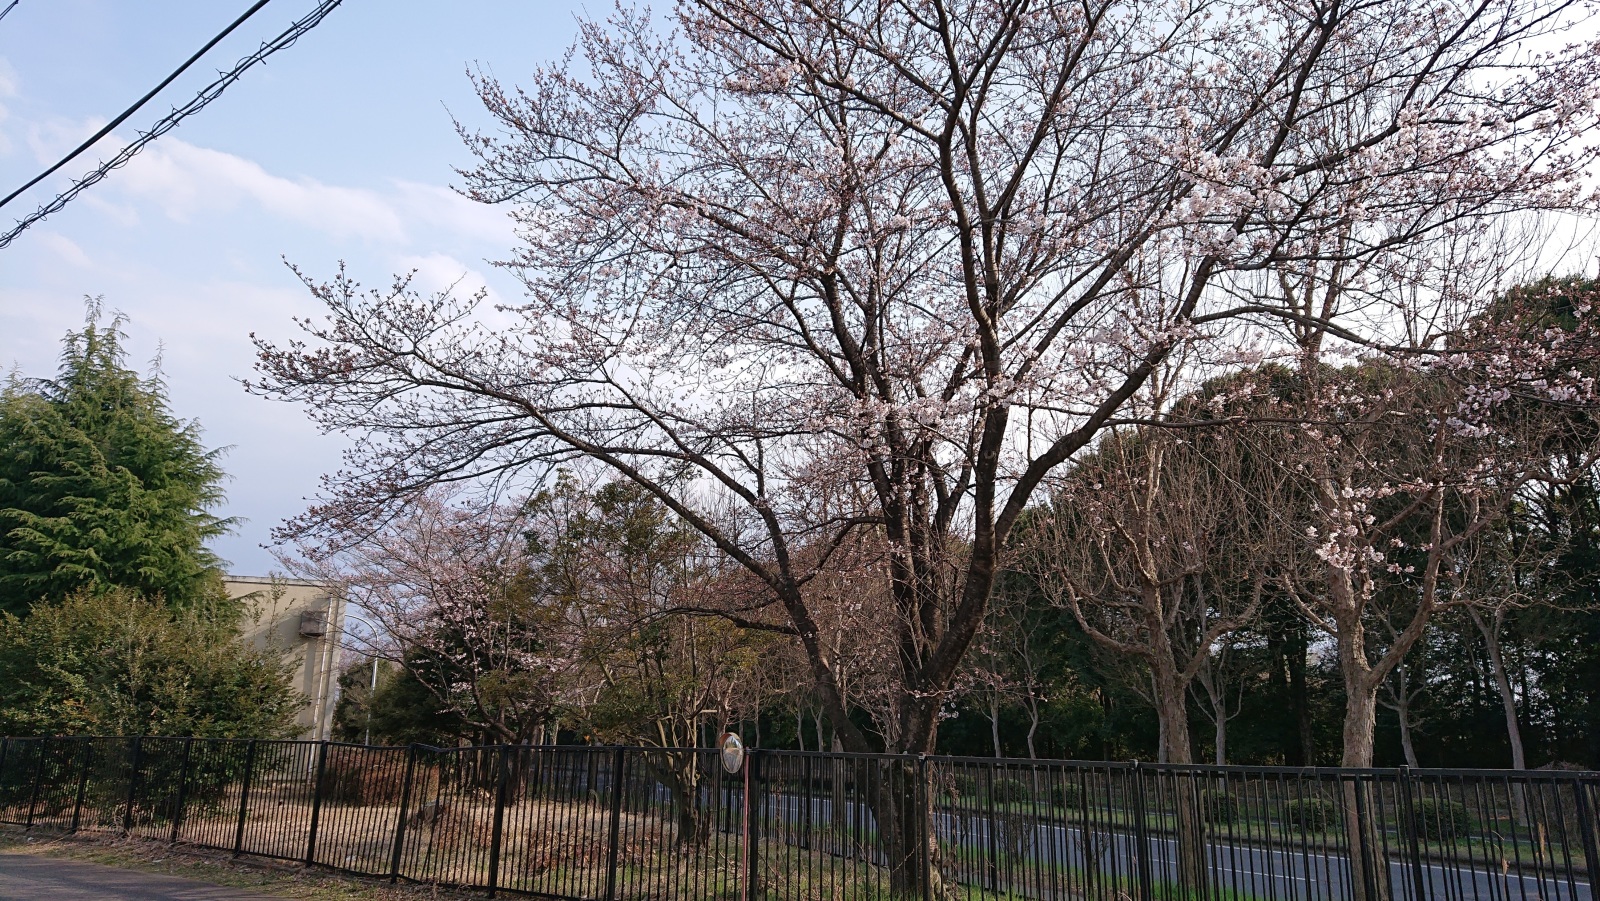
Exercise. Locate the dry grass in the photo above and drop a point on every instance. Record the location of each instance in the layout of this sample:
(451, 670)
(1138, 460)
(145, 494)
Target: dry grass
(266, 877)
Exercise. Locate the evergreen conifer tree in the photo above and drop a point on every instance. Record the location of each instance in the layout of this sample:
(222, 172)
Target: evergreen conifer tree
(100, 485)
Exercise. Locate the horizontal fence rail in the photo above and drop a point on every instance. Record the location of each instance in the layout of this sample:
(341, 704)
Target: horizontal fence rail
(606, 823)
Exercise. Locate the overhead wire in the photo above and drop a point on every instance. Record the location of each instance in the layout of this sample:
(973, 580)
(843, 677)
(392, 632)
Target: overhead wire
(123, 116)
(207, 94)
(9, 7)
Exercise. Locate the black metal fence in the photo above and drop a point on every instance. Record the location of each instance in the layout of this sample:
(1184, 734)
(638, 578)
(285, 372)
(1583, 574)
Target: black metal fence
(640, 823)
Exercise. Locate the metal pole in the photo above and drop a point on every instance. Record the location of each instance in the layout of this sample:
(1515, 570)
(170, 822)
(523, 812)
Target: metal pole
(499, 819)
(1408, 814)
(371, 693)
(1141, 831)
(183, 790)
(752, 818)
(805, 834)
(316, 802)
(1591, 842)
(400, 824)
(618, 774)
(244, 796)
(133, 783)
(83, 782)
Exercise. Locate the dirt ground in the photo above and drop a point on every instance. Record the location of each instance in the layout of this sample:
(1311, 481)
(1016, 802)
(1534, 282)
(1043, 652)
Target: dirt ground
(260, 878)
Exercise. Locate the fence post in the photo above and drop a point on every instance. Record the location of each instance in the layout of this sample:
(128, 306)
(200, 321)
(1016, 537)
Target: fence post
(400, 824)
(38, 779)
(83, 782)
(244, 796)
(133, 783)
(499, 818)
(619, 762)
(1591, 842)
(1141, 830)
(805, 834)
(752, 819)
(316, 802)
(1409, 824)
(183, 790)
(924, 813)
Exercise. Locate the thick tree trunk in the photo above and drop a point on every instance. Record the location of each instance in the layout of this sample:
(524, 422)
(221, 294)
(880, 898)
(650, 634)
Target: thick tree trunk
(1173, 713)
(1369, 872)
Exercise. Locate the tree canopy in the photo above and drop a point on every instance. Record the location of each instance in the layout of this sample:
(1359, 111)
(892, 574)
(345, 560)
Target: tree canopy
(116, 663)
(100, 484)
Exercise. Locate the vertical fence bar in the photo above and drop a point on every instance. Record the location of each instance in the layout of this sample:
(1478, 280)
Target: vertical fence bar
(1141, 831)
(1589, 826)
(805, 818)
(133, 783)
(498, 830)
(83, 782)
(183, 790)
(316, 801)
(400, 823)
(38, 780)
(752, 816)
(1408, 828)
(618, 762)
(244, 796)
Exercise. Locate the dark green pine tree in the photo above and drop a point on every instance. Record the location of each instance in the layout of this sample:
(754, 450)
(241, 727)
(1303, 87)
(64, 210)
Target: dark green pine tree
(100, 485)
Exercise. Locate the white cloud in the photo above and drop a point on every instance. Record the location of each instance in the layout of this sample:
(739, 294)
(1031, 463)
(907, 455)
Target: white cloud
(184, 179)
(447, 209)
(52, 139)
(8, 89)
(66, 249)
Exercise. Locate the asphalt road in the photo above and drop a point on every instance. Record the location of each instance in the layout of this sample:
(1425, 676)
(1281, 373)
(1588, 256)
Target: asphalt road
(1278, 874)
(26, 877)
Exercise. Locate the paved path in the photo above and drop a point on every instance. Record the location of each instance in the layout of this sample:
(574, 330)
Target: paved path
(26, 877)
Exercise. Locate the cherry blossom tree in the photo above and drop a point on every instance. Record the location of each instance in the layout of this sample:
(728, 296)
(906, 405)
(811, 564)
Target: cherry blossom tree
(446, 591)
(929, 248)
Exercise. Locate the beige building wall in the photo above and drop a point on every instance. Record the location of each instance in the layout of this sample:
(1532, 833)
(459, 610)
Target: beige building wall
(302, 621)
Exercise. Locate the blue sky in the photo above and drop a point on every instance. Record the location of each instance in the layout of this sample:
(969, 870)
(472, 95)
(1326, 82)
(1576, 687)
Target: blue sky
(339, 148)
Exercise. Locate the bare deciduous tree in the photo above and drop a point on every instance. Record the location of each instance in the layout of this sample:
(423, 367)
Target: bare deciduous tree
(930, 248)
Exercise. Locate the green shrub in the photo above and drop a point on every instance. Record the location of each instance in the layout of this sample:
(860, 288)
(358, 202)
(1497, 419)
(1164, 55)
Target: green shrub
(1220, 807)
(1069, 795)
(1310, 814)
(1440, 819)
(117, 663)
(1009, 790)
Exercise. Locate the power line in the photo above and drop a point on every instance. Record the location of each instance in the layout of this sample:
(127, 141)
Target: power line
(137, 104)
(201, 100)
(9, 7)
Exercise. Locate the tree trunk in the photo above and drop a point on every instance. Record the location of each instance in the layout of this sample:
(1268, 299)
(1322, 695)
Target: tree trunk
(1508, 704)
(994, 722)
(1406, 746)
(1369, 871)
(1299, 698)
(1502, 683)
(1173, 713)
